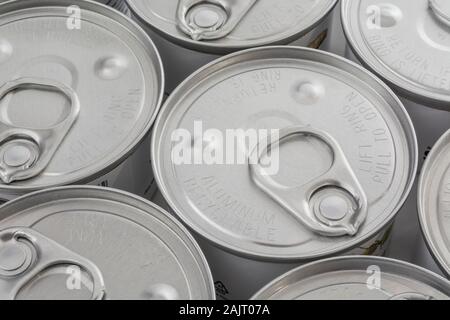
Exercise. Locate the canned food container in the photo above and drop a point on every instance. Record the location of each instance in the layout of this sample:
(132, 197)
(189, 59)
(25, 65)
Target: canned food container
(189, 34)
(434, 203)
(357, 278)
(79, 92)
(97, 243)
(407, 44)
(343, 158)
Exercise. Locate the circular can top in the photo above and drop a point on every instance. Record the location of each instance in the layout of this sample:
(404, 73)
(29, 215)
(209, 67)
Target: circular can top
(345, 162)
(434, 201)
(84, 84)
(357, 278)
(91, 242)
(235, 25)
(407, 43)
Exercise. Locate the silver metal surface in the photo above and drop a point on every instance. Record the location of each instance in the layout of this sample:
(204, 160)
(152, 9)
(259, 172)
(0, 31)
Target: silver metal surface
(25, 153)
(267, 22)
(333, 204)
(114, 69)
(211, 19)
(405, 43)
(278, 88)
(434, 202)
(123, 247)
(30, 254)
(352, 278)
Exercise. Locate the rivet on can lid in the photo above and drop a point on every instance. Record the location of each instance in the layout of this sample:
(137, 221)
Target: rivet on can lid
(12, 257)
(17, 155)
(334, 207)
(205, 17)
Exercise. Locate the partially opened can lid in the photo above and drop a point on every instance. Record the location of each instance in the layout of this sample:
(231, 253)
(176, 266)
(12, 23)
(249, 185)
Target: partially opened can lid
(97, 243)
(232, 25)
(357, 278)
(407, 43)
(434, 201)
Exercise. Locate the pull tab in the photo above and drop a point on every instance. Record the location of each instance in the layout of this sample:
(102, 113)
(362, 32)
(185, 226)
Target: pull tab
(332, 205)
(25, 153)
(441, 9)
(25, 254)
(211, 19)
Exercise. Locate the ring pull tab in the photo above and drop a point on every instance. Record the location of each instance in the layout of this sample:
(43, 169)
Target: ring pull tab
(211, 19)
(25, 254)
(25, 153)
(441, 9)
(332, 205)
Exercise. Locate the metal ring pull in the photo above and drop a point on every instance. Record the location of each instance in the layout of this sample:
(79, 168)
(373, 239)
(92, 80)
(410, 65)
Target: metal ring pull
(441, 9)
(24, 152)
(333, 204)
(211, 19)
(25, 254)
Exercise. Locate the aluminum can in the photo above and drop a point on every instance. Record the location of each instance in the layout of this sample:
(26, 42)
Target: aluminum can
(85, 242)
(434, 205)
(406, 44)
(357, 278)
(190, 34)
(79, 92)
(347, 161)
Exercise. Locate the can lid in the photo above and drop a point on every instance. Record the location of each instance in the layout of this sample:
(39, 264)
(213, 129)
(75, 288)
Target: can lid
(406, 43)
(89, 242)
(357, 278)
(80, 88)
(222, 25)
(434, 201)
(345, 154)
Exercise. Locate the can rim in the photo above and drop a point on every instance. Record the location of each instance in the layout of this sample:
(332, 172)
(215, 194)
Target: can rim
(178, 92)
(94, 191)
(422, 193)
(217, 48)
(412, 92)
(355, 259)
(145, 40)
